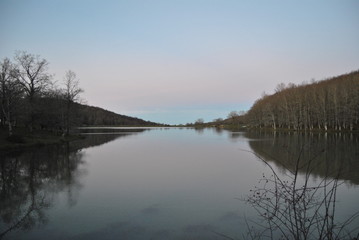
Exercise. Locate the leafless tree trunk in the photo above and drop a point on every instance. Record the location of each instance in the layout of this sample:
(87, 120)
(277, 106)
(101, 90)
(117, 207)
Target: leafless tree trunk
(330, 104)
(34, 78)
(10, 92)
(71, 93)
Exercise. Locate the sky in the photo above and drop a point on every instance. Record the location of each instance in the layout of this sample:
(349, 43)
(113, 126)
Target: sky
(175, 61)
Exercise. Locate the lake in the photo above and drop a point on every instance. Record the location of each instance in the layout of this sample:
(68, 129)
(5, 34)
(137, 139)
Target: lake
(160, 183)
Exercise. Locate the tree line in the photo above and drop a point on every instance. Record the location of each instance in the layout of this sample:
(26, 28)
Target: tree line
(95, 116)
(29, 96)
(331, 104)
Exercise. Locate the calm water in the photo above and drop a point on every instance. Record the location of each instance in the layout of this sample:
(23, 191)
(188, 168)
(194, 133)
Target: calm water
(157, 183)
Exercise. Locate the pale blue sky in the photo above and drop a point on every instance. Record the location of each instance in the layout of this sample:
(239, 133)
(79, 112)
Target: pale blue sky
(177, 61)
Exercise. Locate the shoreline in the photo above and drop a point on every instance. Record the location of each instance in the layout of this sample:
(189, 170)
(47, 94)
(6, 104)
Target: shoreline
(23, 139)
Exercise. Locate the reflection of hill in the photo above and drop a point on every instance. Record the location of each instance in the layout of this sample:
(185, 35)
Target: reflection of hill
(329, 152)
(99, 136)
(30, 179)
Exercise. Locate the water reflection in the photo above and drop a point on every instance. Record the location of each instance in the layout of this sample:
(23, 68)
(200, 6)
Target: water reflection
(199, 130)
(112, 130)
(231, 216)
(30, 180)
(120, 230)
(151, 210)
(164, 184)
(329, 153)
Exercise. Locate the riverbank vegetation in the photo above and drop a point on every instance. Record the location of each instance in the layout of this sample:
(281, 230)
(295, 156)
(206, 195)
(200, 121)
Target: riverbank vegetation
(34, 108)
(30, 98)
(328, 105)
(22, 138)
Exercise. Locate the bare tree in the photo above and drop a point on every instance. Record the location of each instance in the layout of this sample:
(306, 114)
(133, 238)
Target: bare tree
(199, 121)
(292, 207)
(34, 78)
(233, 115)
(72, 93)
(10, 92)
(218, 120)
(4, 79)
(280, 87)
(330, 104)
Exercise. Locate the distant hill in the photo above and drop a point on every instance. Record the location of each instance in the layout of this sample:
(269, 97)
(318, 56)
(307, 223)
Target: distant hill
(96, 116)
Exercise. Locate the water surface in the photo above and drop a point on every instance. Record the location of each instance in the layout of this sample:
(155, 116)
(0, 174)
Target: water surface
(157, 183)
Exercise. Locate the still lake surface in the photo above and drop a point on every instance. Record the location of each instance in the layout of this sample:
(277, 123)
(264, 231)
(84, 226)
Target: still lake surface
(158, 183)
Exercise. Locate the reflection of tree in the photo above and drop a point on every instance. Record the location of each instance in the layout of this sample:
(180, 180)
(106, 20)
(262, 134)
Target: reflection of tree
(218, 131)
(24, 218)
(330, 152)
(235, 136)
(199, 130)
(293, 207)
(29, 181)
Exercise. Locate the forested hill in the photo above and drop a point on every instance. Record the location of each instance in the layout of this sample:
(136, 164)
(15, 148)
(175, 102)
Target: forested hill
(328, 104)
(30, 98)
(95, 116)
